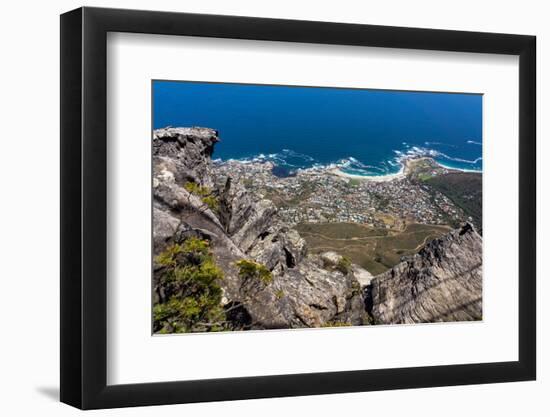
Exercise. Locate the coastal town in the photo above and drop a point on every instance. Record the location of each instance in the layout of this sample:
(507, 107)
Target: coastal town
(327, 195)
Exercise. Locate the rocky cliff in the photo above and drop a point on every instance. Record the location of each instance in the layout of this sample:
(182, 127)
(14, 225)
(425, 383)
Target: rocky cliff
(443, 282)
(303, 291)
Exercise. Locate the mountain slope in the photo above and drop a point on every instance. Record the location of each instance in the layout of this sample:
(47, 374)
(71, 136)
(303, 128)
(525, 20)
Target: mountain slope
(443, 282)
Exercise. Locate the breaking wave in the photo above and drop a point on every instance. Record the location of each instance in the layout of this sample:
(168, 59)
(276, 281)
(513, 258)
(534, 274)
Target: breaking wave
(291, 162)
(440, 144)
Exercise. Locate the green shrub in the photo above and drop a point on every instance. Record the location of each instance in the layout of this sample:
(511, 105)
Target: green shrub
(194, 250)
(343, 265)
(196, 247)
(212, 202)
(197, 189)
(254, 270)
(204, 193)
(192, 295)
(279, 294)
(168, 257)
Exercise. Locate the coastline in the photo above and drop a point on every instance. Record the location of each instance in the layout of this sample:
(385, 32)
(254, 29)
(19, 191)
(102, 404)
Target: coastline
(406, 168)
(403, 171)
(450, 168)
(374, 178)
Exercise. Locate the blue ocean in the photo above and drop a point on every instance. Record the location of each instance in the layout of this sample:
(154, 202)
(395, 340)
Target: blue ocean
(363, 132)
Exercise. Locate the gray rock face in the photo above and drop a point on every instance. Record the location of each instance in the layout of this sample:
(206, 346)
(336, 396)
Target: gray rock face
(305, 296)
(164, 228)
(303, 292)
(188, 150)
(318, 295)
(257, 221)
(363, 276)
(443, 282)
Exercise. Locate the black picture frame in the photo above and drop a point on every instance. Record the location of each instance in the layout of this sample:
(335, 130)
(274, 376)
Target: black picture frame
(84, 207)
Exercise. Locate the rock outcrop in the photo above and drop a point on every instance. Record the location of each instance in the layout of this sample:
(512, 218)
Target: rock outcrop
(304, 291)
(443, 282)
(186, 151)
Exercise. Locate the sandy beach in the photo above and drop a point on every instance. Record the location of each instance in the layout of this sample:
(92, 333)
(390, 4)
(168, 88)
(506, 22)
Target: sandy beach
(407, 164)
(405, 168)
(374, 178)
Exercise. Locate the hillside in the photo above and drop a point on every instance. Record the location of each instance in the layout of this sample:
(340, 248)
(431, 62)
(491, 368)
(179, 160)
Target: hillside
(464, 189)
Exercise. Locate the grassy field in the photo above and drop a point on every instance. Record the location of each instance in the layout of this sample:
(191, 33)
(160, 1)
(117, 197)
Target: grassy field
(376, 250)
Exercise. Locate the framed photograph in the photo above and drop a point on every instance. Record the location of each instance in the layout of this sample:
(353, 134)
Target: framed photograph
(256, 208)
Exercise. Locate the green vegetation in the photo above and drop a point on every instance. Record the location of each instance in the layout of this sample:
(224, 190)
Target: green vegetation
(168, 257)
(464, 189)
(254, 270)
(279, 294)
(424, 177)
(376, 250)
(340, 230)
(204, 193)
(197, 189)
(423, 169)
(344, 265)
(304, 192)
(212, 202)
(189, 280)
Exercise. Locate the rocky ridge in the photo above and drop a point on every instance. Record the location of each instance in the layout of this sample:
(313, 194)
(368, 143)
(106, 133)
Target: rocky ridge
(443, 282)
